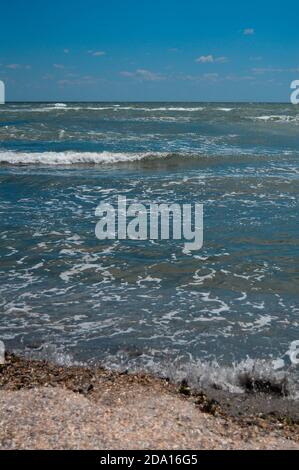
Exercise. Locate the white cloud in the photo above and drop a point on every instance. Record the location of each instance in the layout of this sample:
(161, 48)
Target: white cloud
(263, 70)
(203, 59)
(143, 74)
(80, 81)
(238, 78)
(48, 76)
(221, 60)
(13, 66)
(249, 31)
(210, 59)
(59, 66)
(211, 76)
(215, 77)
(66, 51)
(18, 66)
(127, 74)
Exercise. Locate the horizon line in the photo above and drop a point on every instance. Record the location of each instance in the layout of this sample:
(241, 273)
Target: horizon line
(145, 101)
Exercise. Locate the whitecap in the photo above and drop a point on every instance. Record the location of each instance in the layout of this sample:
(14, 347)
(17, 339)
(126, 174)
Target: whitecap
(72, 158)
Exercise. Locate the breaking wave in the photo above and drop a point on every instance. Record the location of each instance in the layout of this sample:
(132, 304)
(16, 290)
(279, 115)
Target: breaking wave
(106, 107)
(75, 158)
(276, 118)
(247, 376)
(71, 157)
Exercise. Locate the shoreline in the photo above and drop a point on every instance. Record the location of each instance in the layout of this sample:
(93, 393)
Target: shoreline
(47, 406)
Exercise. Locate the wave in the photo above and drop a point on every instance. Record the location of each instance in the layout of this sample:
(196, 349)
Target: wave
(247, 376)
(65, 107)
(250, 375)
(60, 105)
(75, 158)
(68, 158)
(200, 108)
(225, 110)
(133, 108)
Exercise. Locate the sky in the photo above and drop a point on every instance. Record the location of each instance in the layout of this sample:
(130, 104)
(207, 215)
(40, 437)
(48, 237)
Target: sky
(148, 50)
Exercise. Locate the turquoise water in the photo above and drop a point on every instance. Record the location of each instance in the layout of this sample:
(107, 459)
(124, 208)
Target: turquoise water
(145, 304)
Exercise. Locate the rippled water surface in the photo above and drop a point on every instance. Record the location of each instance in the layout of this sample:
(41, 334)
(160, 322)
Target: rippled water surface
(151, 304)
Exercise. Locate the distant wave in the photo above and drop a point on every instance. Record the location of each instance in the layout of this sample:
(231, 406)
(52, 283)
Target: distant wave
(276, 118)
(200, 108)
(60, 105)
(70, 107)
(226, 110)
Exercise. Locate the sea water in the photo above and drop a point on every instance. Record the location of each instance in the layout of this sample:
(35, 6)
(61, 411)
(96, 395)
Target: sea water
(150, 305)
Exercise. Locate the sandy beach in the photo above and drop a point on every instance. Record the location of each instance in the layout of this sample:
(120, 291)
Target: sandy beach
(46, 406)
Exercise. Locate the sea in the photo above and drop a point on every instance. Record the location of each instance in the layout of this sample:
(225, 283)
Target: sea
(211, 316)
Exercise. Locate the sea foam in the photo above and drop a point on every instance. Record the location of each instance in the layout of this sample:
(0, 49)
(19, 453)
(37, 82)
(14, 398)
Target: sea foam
(73, 158)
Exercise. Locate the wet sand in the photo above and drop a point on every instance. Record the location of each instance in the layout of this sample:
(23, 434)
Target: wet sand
(46, 406)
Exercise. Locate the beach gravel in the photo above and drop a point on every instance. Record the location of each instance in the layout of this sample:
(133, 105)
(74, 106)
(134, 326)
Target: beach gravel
(121, 412)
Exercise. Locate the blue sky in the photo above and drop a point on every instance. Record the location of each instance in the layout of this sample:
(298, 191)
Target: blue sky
(149, 50)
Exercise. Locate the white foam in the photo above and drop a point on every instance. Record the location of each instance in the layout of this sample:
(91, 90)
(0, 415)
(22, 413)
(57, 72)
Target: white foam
(60, 105)
(226, 110)
(276, 118)
(180, 109)
(115, 108)
(160, 109)
(233, 378)
(201, 375)
(72, 158)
